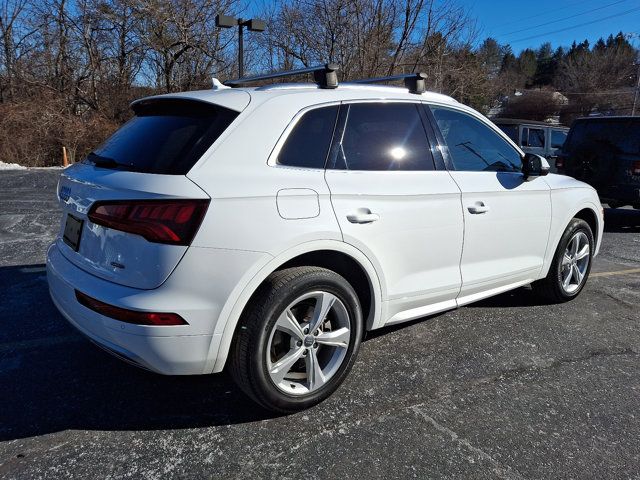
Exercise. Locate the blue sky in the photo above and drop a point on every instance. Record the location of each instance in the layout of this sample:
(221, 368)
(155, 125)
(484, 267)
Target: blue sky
(514, 21)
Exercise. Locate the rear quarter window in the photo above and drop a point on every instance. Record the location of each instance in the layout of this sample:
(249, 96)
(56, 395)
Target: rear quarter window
(165, 136)
(308, 142)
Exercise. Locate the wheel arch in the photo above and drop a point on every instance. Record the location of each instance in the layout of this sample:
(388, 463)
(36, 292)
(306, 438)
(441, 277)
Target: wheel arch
(590, 216)
(588, 212)
(335, 255)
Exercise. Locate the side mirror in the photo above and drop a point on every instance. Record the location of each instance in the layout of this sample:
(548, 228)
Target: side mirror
(534, 166)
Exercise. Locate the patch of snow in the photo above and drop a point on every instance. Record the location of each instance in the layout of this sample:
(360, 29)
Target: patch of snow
(11, 166)
(15, 166)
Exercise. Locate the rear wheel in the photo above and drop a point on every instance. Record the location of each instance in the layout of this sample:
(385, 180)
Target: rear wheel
(298, 338)
(571, 264)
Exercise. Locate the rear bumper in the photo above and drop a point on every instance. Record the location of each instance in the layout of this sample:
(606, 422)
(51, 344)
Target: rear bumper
(168, 350)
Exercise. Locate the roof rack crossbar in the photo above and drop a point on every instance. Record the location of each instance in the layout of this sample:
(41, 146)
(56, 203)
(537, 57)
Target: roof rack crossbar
(415, 82)
(325, 75)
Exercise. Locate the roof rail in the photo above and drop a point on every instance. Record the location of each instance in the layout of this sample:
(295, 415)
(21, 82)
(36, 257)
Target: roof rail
(415, 82)
(324, 75)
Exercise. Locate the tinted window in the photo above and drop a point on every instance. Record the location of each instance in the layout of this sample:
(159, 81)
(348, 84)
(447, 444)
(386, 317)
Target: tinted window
(165, 136)
(473, 146)
(557, 138)
(617, 135)
(510, 130)
(308, 142)
(384, 136)
(536, 137)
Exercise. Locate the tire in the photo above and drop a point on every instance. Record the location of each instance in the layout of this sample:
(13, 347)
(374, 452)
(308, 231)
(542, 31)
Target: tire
(552, 288)
(267, 338)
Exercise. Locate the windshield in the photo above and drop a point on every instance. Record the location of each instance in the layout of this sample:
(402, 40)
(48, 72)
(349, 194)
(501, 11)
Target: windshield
(166, 136)
(620, 135)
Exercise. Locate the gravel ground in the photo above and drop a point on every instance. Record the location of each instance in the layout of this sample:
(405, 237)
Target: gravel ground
(506, 388)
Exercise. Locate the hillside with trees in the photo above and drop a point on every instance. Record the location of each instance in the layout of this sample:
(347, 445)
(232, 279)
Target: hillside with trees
(70, 68)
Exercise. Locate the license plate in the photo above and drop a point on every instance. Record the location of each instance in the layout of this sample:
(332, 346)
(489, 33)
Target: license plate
(72, 231)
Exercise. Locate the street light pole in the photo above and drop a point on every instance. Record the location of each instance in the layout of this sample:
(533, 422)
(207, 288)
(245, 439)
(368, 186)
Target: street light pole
(240, 49)
(254, 25)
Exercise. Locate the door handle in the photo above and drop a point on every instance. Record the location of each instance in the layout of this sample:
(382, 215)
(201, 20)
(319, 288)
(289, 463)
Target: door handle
(363, 215)
(477, 208)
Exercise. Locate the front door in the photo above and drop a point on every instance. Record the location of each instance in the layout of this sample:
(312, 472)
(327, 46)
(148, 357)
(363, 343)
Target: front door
(506, 218)
(394, 205)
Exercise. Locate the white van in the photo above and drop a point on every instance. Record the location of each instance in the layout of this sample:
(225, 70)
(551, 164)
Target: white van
(535, 137)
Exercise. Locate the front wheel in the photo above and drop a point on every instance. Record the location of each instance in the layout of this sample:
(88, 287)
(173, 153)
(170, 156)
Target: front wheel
(298, 338)
(571, 264)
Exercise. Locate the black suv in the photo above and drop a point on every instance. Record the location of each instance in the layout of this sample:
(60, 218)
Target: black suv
(605, 153)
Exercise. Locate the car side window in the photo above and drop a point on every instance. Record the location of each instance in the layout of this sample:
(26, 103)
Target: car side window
(557, 138)
(473, 146)
(536, 137)
(308, 143)
(384, 136)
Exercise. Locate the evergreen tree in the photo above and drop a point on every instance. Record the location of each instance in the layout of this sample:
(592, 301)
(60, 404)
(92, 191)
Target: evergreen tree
(490, 55)
(527, 65)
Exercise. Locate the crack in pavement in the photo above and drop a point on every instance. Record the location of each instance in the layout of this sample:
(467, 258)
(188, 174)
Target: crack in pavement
(620, 301)
(500, 470)
(553, 364)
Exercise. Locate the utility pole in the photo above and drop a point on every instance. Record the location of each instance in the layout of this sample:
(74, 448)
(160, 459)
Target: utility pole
(254, 25)
(635, 97)
(637, 92)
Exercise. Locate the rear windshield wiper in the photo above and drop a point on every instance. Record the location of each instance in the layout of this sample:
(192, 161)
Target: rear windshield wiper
(106, 162)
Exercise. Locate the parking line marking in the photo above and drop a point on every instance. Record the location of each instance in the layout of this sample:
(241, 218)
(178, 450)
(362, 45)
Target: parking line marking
(33, 269)
(618, 272)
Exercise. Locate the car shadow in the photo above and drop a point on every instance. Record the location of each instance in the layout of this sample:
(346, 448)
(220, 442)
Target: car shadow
(53, 379)
(621, 220)
(520, 297)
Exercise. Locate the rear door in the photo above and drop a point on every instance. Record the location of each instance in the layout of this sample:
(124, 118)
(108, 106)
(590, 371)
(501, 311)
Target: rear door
(395, 205)
(506, 219)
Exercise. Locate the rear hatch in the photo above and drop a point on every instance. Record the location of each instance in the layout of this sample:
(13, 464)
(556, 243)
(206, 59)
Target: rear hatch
(129, 211)
(603, 152)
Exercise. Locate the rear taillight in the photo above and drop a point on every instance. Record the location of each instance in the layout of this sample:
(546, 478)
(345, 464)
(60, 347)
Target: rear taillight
(129, 316)
(635, 168)
(161, 221)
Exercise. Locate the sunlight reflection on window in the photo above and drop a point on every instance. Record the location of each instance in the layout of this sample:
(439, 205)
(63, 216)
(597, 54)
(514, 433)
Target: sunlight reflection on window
(398, 153)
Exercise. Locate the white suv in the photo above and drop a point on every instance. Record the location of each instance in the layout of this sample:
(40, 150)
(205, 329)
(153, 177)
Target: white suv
(267, 229)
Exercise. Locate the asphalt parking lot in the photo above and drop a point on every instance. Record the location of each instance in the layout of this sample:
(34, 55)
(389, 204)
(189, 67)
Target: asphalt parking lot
(507, 388)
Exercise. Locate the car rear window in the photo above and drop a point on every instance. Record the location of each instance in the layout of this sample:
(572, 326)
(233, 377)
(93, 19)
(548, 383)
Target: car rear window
(558, 138)
(619, 135)
(384, 136)
(165, 136)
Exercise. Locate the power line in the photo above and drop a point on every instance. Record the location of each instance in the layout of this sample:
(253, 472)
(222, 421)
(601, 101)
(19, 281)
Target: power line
(575, 26)
(528, 18)
(565, 18)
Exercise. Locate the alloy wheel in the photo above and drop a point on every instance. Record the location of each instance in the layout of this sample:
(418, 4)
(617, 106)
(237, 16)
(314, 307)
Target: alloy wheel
(575, 262)
(308, 343)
